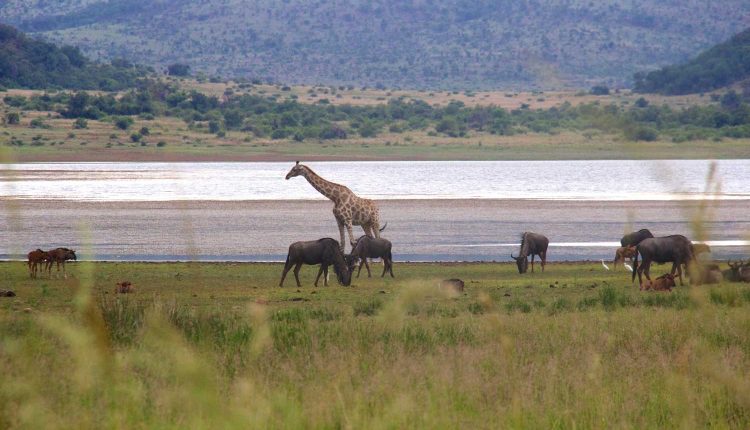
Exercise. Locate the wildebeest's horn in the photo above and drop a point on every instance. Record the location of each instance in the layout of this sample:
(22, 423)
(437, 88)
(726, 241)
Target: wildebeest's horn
(511, 256)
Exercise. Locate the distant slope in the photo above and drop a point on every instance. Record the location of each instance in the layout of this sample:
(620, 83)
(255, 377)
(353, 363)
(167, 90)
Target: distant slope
(718, 67)
(394, 43)
(29, 63)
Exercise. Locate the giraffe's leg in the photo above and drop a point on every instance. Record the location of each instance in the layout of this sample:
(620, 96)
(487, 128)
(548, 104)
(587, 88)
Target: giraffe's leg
(341, 234)
(296, 274)
(351, 234)
(376, 228)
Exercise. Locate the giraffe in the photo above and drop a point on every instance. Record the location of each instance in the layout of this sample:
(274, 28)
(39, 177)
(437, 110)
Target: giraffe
(348, 209)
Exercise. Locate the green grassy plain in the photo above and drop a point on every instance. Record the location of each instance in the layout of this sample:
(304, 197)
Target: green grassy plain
(220, 345)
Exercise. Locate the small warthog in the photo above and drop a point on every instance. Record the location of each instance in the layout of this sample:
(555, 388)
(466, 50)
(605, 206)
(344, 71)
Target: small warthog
(664, 282)
(124, 287)
(370, 247)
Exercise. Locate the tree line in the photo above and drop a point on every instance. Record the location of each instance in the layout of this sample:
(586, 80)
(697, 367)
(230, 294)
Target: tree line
(268, 117)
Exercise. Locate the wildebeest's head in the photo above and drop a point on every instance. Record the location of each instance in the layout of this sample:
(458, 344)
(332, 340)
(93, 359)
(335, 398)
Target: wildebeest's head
(522, 263)
(297, 170)
(70, 254)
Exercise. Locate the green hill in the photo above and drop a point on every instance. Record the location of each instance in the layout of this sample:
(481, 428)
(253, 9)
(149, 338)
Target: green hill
(30, 63)
(458, 44)
(720, 66)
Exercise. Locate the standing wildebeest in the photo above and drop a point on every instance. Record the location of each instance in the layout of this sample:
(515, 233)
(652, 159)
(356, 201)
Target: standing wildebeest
(531, 244)
(634, 238)
(368, 247)
(325, 252)
(676, 249)
(624, 252)
(59, 256)
(36, 259)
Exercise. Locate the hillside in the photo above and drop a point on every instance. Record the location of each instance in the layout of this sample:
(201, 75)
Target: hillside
(419, 44)
(720, 66)
(29, 63)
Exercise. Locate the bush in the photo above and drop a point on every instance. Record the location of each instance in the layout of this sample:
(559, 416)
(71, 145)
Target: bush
(641, 133)
(12, 118)
(38, 123)
(161, 144)
(123, 122)
(136, 137)
(80, 123)
(600, 90)
(145, 131)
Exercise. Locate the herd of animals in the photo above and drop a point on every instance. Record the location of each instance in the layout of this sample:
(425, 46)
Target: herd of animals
(351, 210)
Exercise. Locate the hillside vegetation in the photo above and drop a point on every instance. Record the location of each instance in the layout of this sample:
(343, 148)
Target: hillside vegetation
(463, 44)
(720, 66)
(29, 63)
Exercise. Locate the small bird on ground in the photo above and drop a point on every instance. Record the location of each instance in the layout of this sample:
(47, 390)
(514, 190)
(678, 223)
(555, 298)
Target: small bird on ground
(605, 266)
(627, 266)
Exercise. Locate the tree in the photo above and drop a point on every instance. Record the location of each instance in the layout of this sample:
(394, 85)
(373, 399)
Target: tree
(600, 90)
(12, 118)
(80, 123)
(178, 69)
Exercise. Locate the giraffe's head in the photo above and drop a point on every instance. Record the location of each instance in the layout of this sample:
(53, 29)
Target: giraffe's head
(297, 170)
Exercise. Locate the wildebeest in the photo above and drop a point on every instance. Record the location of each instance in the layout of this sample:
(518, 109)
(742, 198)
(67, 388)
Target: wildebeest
(634, 238)
(531, 244)
(676, 249)
(707, 274)
(369, 247)
(325, 252)
(454, 285)
(624, 252)
(738, 271)
(36, 259)
(664, 282)
(60, 256)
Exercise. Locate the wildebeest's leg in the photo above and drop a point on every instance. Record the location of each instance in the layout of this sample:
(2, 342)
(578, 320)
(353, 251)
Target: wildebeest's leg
(296, 273)
(367, 266)
(320, 271)
(543, 256)
(288, 265)
(677, 268)
(532, 263)
(390, 266)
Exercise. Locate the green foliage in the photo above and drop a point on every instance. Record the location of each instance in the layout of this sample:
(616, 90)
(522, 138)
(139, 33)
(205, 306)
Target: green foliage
(38, 123)
(123, 123)
(30, 63)
(600, 90)
(12, 118)
(80, 123)
(720, 66)
(178, 69)
(386, 43)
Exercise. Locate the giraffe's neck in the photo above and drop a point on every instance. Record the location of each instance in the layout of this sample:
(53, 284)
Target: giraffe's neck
(331, 190)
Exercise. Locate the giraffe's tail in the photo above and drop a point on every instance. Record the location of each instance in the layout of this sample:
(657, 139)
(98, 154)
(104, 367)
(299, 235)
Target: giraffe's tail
(383, 228)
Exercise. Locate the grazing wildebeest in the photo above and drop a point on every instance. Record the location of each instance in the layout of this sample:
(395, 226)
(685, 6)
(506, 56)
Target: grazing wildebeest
(531, 244)
(369, 247)
(36, 259)
(59, 256)
(664, 282)
(675, 249)
(738, 272)
(707, 274)
(624, 252)
(634, 238)
(325, 252)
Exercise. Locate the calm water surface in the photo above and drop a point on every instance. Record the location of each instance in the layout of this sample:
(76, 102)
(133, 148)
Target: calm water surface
(571, 180)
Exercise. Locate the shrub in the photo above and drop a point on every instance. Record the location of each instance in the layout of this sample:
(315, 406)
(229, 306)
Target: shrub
(80, 123)
(13, 118)
(145, 131)
(161, 144)
(600, 90)
(38, 123)
(368, 308)
(136, 137)
(123, 122)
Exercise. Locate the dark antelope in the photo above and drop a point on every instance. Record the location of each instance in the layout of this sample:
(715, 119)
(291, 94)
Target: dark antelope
(634, 238)
(531, 244)
(368, 247)
(675, 249)
(325, 252)
(60, 256)
(36, 259)
(738, 271)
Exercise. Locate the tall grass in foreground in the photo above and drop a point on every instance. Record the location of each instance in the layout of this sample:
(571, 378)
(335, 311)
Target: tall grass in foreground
(662, 361)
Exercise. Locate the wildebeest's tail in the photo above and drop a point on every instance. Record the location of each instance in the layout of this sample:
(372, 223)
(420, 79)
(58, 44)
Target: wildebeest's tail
(635, 264)
(383, 228)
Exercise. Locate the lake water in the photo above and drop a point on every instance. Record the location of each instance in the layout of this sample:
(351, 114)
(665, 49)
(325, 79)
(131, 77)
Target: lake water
(558, 180)
(436, 211)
